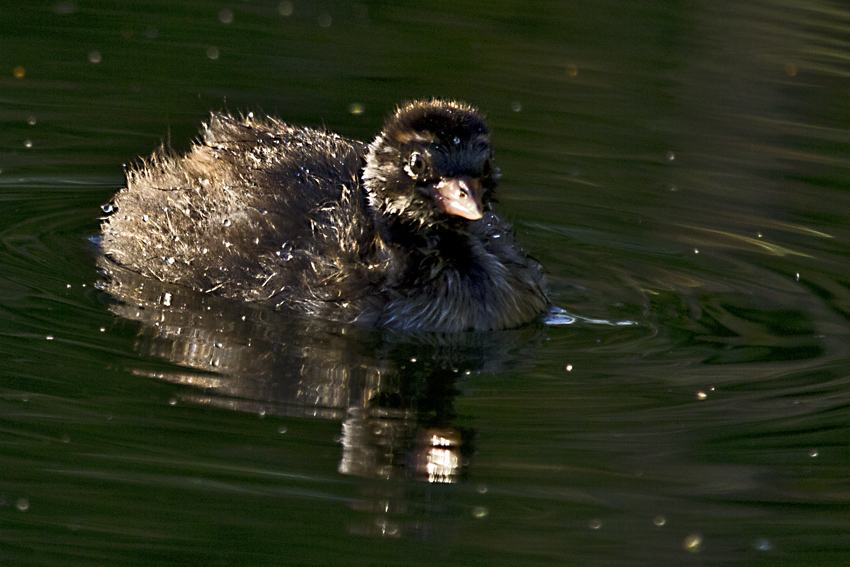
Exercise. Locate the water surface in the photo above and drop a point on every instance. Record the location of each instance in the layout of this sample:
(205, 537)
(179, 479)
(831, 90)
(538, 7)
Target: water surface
(680, 167)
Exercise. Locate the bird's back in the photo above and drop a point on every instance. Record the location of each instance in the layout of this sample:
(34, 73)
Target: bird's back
(256, 209)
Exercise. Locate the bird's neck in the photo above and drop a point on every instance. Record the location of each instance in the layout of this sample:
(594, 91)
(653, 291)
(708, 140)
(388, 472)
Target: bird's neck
(447, 240)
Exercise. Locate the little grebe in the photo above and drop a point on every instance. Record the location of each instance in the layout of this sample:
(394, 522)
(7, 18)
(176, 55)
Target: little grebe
(398, 233)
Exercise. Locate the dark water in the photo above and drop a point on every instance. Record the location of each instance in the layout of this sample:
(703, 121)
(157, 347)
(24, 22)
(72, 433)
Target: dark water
(682, 166)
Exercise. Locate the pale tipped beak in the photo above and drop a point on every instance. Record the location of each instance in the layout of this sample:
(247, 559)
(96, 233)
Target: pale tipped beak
(459, 196)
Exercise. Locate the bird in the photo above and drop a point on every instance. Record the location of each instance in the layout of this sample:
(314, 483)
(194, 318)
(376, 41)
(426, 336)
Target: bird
(399, 233)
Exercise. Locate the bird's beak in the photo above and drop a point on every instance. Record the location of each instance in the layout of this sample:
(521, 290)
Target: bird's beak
(459, 196)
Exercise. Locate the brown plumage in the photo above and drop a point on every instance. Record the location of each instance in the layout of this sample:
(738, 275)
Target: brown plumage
(399, 233)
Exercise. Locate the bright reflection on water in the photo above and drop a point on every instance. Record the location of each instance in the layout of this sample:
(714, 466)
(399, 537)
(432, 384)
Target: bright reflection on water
(680, 170)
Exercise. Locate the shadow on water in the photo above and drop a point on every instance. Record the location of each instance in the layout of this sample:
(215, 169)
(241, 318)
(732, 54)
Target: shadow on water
(393, 392)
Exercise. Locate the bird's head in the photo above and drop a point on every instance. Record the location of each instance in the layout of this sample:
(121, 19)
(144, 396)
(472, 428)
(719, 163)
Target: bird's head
(431, 165)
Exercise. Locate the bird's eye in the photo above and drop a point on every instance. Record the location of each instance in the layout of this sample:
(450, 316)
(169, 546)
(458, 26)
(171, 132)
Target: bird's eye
(487, 168)
(416, 165)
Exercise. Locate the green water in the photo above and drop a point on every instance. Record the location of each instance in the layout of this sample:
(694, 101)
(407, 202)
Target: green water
(680, 167)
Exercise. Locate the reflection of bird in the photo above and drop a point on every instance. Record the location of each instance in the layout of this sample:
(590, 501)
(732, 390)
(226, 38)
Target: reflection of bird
(399, 233)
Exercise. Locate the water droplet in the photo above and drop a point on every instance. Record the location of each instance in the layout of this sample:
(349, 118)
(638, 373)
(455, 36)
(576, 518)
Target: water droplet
(325, 20)
(95, 57)
(480, 512)
(692, 543)
(659, 520)
(356, 108)
(282, 429)
(63, 8)
(285, 8)
(27, 143)
(22, 504)
(31, 120)
(671, 156)
(225, 16)
(49, 337)
(594, 524)
(212, 52)
(814, 453)
(516, 106)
